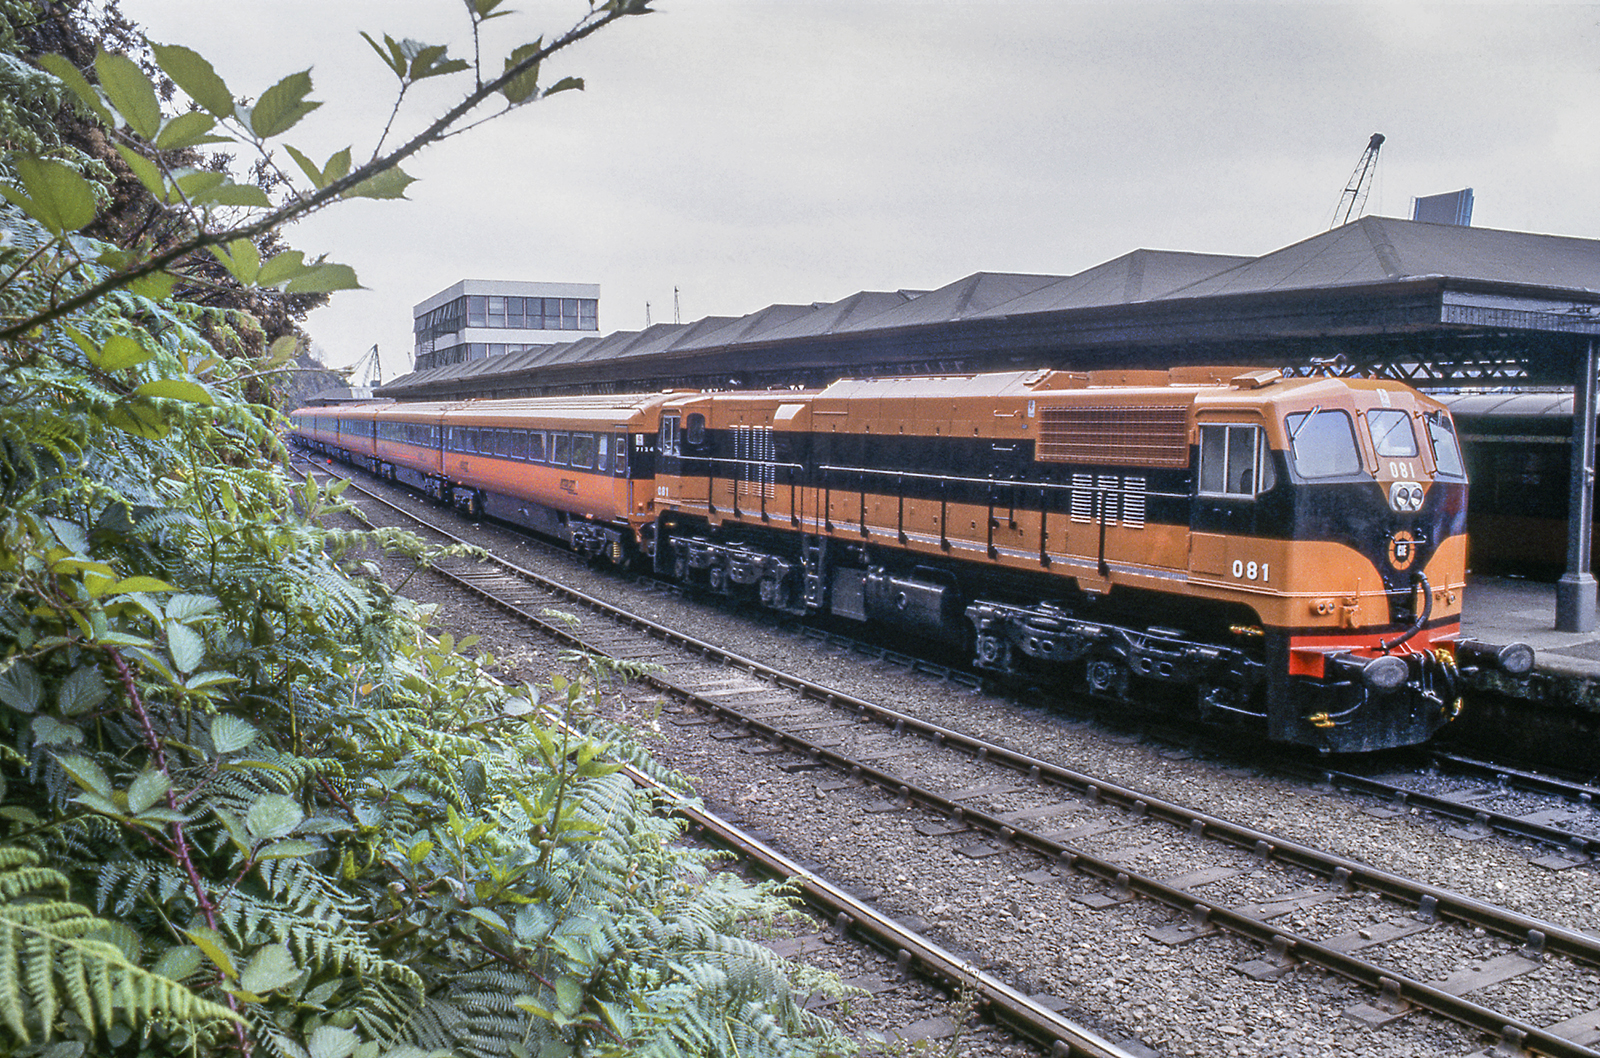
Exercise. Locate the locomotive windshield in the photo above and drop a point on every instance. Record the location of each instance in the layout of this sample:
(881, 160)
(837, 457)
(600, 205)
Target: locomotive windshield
(1391, 433)
(1446, 453)
(1322, 444)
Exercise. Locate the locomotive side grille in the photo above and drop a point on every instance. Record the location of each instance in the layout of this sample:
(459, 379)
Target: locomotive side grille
(1149, 436)
(1110, 498)
(1133, 501)
(753, 451)
(1083, 498)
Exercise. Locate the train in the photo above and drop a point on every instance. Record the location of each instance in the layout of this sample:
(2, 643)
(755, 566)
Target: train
(1286, 553)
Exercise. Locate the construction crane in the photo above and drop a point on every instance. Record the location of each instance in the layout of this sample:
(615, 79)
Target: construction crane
(1354, 198)
(367, 371)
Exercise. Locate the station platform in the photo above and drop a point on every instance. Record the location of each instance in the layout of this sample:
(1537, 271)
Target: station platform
(1508, 609)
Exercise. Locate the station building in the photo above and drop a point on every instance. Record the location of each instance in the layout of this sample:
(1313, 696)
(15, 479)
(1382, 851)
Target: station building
(480, 318)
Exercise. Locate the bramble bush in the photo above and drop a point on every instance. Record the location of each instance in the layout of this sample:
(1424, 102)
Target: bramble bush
(247, 801)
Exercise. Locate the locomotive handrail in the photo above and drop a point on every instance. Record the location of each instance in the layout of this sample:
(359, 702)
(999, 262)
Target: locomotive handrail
(1050, 485)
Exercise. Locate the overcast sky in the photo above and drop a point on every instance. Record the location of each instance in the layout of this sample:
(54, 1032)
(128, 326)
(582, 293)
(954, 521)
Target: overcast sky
(752, 152)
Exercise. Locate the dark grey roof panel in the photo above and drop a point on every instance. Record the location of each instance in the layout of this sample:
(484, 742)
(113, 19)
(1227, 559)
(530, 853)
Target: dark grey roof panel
(832, 316)
(1383, 249)
(751, 328)
(972, 296)
(1138, 276)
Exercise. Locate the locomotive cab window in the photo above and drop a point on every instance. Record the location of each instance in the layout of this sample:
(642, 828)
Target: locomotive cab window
(1392, 436)
(1233, 461)
(1446, 452)
(695, 433)
(669, 435)
(1322, 443)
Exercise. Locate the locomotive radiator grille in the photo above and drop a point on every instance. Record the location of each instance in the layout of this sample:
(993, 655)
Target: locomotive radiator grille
(1148, 436)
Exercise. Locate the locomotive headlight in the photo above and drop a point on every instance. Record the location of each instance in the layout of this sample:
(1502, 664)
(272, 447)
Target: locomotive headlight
(1405, 496)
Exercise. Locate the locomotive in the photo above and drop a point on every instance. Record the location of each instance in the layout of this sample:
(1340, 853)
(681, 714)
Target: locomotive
(1284, 552)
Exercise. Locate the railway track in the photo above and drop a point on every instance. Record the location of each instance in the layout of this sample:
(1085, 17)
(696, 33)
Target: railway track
(972, 788)
(633, 638)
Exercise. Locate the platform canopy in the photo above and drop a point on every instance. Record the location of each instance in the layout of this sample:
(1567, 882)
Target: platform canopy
(1435, 304)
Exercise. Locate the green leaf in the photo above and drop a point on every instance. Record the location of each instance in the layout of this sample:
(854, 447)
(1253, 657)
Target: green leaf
(69, 74)
(57, 197)
(489, 918)
(175, 389)
(147, 789)
(186, 646)
(88, 775)
(391, 183)
(229, 733)
(269, 968)
(569, 995)
(82, 690)
(324, 279)
(273, 816)
(129, 585)
(48, 731)
(21, 688)
(178, 962)
(215, 947)
(119, 352)
(188, 606)
(156, 286)
(138, 417)
(566, 84)
(192, 73)
(279, 268)
(292, 849)
(241, 258)
(130, 92)
(392, 55)
(147, 172)
(282, 106)
(330, 1042)
(522, 87)
(188, 130)
(231, 194)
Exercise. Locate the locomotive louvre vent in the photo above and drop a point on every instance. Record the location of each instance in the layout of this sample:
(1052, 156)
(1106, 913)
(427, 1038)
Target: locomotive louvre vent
(1139, 436)
(1110, 498)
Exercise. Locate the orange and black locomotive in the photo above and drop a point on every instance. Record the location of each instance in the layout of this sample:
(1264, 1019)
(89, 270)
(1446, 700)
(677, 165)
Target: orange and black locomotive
(1284, 551)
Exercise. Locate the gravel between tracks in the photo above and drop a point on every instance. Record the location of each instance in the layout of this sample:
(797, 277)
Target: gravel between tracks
(1182, 1000)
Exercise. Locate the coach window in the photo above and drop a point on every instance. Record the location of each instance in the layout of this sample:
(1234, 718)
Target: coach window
(536, 445)
(583, 451)
(560, 449)
(519, 445)
(1322, 444)
(1446, 452)
(1232, 462)
(602, 455)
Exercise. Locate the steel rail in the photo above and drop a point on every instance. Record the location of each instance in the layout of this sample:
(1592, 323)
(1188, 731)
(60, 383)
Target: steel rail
(1538, 936)
(1581, 844)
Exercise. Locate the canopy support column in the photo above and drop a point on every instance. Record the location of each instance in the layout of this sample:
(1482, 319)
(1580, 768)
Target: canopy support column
(1575, 592)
